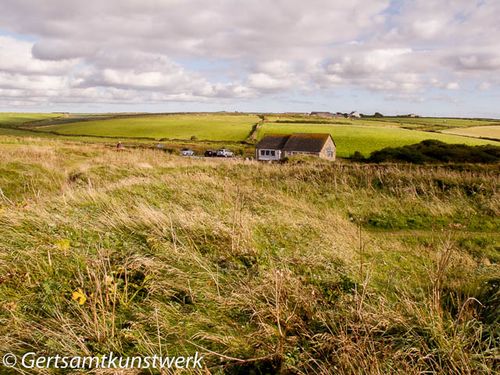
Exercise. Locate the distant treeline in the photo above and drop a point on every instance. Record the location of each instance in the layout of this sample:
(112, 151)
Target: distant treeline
(432, 151)
(309, 121)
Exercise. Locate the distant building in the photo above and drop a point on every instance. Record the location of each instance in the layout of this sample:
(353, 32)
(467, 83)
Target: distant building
(328, 114)
(355, 114)
(323, 114)
(277, 147)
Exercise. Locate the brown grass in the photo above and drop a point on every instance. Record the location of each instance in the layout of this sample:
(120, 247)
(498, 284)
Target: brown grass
(264, 268)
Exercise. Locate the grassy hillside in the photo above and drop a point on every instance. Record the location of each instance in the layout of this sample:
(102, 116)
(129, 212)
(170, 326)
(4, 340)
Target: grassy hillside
(366, 138)
(13, 119)
(10, 122)
(202, 126)
(304, 267)
(364, 135)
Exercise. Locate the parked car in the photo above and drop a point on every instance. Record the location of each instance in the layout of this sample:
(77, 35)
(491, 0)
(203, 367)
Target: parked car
(224, 153)
(210, 153)
(187, 152)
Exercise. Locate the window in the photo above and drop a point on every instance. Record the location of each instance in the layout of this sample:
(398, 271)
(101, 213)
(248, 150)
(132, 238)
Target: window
(267, 152)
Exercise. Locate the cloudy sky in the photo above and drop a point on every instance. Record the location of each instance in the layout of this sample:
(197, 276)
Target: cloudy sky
(434, 57)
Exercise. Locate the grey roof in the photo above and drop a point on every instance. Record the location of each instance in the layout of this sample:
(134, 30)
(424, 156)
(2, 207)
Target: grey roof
(273, 141)
(311, 142)
(304, 142)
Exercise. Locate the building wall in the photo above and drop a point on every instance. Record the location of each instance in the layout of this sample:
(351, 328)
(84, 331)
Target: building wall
(329, 151)
(267, 154)
(292, 153)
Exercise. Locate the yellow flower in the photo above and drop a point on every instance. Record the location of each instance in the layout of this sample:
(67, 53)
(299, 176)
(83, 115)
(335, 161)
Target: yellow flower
(79, 296)
(63, 244)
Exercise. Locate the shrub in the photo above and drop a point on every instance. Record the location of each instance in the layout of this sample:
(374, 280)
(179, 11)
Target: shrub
(357, 156)
(432, 151)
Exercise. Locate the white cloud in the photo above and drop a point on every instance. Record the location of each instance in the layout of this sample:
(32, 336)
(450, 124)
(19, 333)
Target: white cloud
(484, 86)
(135, 51)
(266, 82)
(16, 57)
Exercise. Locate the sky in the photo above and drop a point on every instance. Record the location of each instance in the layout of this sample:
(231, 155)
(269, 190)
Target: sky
(429, 57)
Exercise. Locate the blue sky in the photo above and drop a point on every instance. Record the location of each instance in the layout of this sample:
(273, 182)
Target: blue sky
(427, 57)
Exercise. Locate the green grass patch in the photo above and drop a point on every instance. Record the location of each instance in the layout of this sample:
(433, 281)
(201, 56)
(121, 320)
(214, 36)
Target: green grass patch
(202, 127)
(436, 123)
(20, 180)
(422, 123)
(14, 119)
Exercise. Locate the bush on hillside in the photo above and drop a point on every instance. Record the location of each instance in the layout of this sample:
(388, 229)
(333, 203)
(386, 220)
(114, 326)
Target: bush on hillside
(432, 151)
(357, 156)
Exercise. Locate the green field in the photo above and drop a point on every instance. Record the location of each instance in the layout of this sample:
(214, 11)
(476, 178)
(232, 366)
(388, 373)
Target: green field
(364, 135)
(204, 127)
(423, 123)
(367, 138)
(478, 131)
(434, 123)
(9, 119)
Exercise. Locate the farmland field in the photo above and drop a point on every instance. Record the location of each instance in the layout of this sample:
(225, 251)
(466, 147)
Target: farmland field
(364, 135)
(366, 138)
(435, 123)
(13, 119)
(422, 123)
(203, 127)
(478, 131)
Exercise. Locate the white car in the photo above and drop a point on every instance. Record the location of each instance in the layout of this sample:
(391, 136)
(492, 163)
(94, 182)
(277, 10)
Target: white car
(187, 152)
(224, 153)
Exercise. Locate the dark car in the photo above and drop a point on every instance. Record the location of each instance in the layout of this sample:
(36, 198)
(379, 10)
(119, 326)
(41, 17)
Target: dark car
(210, 153)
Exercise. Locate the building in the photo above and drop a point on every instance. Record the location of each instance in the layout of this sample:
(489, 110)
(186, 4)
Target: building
(278, 146)
(322, 114)
(328, 114)
(354, 114)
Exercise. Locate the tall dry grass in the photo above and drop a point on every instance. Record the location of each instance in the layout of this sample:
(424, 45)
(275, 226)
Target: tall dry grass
(264, 268)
